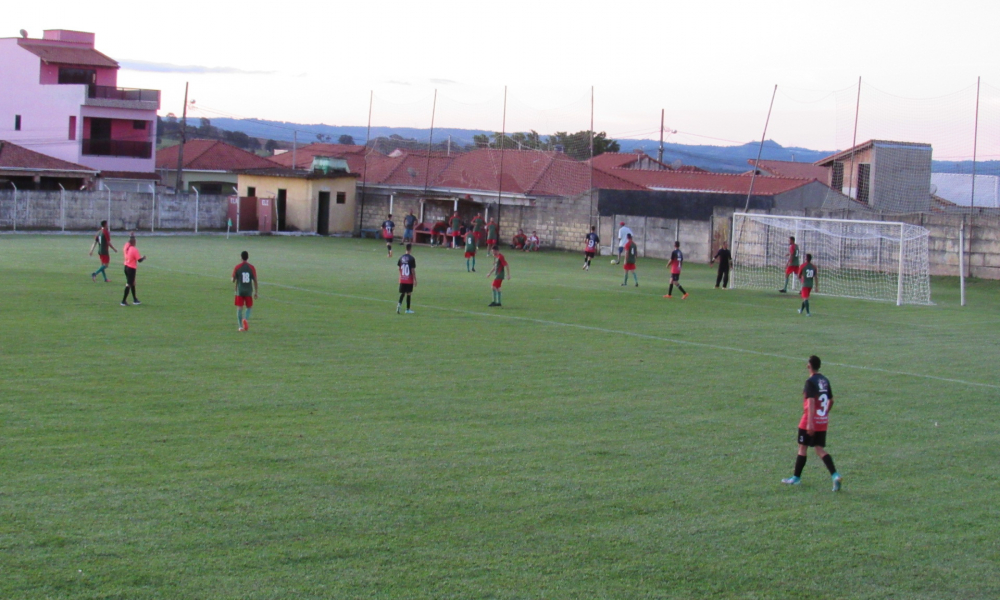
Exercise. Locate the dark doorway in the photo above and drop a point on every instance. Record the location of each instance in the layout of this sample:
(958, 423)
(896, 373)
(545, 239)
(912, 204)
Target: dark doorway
(323, 220)
(100, 129)
(282, 197)
(864, 182)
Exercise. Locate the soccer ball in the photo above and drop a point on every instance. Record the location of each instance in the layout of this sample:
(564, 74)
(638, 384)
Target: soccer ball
(614, 262)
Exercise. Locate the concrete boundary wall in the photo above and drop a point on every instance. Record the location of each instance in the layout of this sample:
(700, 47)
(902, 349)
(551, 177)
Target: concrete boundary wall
(76, 210)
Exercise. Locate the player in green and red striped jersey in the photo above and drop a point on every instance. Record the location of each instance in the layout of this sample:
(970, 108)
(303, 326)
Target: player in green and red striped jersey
(630, 254)
(102, 242)
(245, 278)
(500, 267)
(792, 266)
(809, 276)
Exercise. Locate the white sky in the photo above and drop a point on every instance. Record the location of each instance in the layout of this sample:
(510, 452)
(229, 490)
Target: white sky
(711, 64)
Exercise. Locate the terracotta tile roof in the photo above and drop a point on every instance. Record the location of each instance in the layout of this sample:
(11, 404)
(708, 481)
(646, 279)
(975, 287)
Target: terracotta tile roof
(13, 156)
(615, 160)
(67, 53)
(354, 155)
(276, 171)
(211, 155)
(130, 175)
(797, 170)
(866, 146)
(719, 183)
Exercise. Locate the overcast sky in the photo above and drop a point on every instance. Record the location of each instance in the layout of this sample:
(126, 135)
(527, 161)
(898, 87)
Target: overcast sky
(712, 65)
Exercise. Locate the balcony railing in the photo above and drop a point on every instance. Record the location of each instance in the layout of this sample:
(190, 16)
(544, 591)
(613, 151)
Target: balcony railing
(107, 92)
(128, 148)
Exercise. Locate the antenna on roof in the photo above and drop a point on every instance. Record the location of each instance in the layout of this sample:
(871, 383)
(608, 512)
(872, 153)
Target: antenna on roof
(24, 34)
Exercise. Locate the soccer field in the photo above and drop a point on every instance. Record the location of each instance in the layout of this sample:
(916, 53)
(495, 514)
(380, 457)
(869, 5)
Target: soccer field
(587, 440)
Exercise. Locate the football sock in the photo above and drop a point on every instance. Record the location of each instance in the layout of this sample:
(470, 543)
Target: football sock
(134, 299)
(248, 313)
(473, 262)
(800, 461)
(670, 290)
(634, 276)
(828, 461)
(407, 302)
(806, 303)
(681, 289)
(401, 298)
(498, 297)
(626, 278)
(467, 268)
(785, 287)
(100, 272)
(239, 317)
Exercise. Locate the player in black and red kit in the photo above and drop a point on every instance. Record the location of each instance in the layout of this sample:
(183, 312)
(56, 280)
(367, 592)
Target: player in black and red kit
(407, 279)
(816, 405)
(387, 227)
(593, 242)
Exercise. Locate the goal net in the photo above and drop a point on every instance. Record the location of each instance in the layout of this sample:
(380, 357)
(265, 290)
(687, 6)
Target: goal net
(870, 260)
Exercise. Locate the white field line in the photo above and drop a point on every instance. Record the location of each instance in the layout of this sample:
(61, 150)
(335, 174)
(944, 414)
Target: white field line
(645, 336)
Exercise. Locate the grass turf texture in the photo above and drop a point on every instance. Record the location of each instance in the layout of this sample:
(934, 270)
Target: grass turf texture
(585, 441)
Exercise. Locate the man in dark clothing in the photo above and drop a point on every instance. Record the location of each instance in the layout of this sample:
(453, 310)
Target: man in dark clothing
(724, 258)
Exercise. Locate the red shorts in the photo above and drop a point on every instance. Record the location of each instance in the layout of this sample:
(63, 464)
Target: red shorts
(630, 266)
(790, 270)
(469, 254)
(244, 301)
(497, 283)
(805, 293)
(491, 243)
(105, 259)
(478, 235)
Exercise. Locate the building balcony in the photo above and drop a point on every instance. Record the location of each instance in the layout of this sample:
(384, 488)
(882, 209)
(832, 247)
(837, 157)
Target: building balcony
(115, 97)
(122, 148)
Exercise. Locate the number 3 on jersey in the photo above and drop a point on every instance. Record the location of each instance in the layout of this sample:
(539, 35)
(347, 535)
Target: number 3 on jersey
(824, 405)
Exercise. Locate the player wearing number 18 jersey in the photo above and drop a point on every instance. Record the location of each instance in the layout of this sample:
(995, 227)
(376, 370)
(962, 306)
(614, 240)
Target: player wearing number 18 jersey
(816, 405)
(245, 278)
(407, 279)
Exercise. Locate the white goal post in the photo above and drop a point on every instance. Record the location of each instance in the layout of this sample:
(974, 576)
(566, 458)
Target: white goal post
(870, 260)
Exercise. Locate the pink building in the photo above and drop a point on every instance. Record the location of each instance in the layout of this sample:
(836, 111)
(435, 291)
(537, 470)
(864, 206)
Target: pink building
(61, 98)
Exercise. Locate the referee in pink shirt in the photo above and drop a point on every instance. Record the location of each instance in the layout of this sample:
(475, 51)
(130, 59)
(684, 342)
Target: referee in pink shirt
(132, 260)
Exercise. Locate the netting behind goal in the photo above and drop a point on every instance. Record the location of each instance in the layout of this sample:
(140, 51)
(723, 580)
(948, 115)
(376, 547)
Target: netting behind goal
(870, 260)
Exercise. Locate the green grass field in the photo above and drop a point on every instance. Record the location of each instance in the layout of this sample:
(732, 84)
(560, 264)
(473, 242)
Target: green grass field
(585, 441)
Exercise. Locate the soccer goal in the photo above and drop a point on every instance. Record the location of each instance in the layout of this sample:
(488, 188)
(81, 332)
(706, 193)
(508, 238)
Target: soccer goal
(870, 260)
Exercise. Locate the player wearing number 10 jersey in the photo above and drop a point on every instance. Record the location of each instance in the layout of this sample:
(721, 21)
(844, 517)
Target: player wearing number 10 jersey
(245, 278)
(407, 279)
(816, 405)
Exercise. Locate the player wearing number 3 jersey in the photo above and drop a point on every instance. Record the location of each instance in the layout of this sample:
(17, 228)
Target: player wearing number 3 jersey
(407, 279)
(245, 278)
(816, 405)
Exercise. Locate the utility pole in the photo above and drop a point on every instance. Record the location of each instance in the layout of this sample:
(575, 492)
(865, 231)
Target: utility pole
(659, 155)
(180, 151)
(295, 143)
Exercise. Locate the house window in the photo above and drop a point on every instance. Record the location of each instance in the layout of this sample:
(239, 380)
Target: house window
(17, 122)
(71, 75)
(138, 125)
(864, 182)
(72, 127)
(837, 176)
(341, 198)
(251, 191)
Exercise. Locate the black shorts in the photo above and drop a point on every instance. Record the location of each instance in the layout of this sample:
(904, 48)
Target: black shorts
(588, 254)
(406, 288)
(816, 439)
(388, 240)
(129, 276)
(675, 277)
